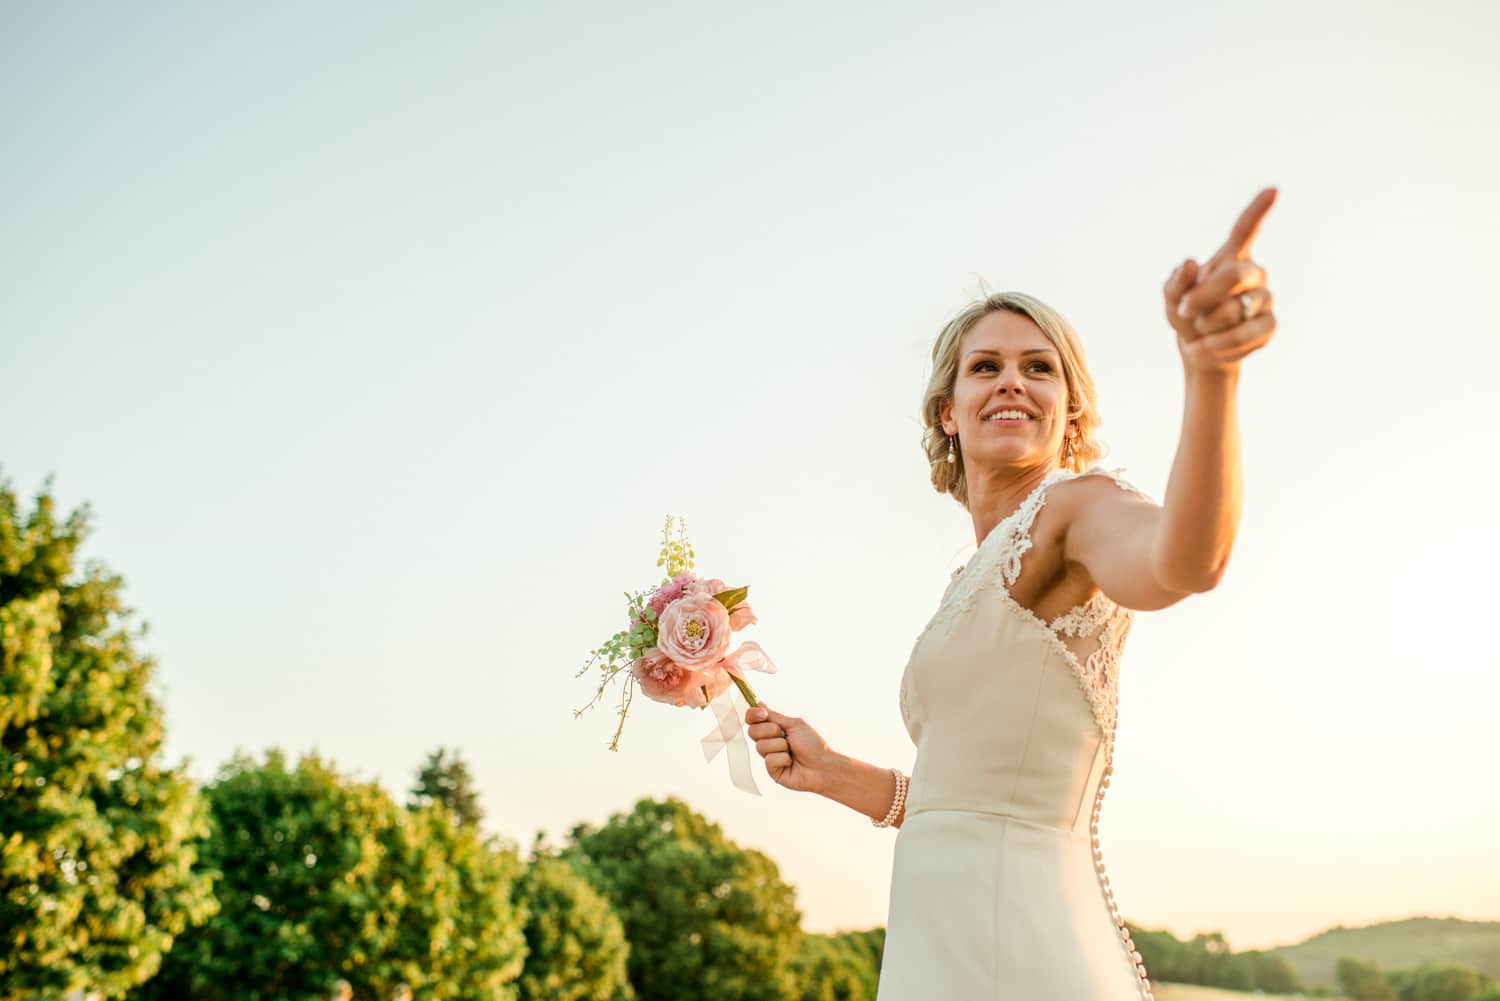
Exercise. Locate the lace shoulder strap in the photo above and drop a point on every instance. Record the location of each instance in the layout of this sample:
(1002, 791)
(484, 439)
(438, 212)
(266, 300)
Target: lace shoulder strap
(1120, 481)
(1014, 533)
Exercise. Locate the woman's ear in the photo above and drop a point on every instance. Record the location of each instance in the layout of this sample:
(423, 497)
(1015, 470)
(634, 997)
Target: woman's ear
(945, 417)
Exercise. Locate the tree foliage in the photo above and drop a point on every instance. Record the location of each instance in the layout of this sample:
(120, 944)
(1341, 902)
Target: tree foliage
(460, 934)
(1208, 960)
(705, 918)
(1437, 982)
(444, 779)
(575, 944)
(842, 967)
(1361, 980)
(99, 837)
(324, 878)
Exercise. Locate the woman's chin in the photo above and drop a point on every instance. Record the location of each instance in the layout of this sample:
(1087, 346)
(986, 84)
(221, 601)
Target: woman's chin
(1005, 455)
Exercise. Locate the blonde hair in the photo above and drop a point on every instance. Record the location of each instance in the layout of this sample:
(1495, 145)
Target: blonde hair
(1083, 402)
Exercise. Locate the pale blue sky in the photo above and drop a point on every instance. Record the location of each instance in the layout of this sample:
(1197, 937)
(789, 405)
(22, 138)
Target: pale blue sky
(382, 338)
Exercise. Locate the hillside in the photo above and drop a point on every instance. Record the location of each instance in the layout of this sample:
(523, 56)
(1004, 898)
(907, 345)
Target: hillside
(1474, 944)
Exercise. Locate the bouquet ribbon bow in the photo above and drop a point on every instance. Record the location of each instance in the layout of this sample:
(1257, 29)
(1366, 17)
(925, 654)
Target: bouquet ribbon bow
(729, 710)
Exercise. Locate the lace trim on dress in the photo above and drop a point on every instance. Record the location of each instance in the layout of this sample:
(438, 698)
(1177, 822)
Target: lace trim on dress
(1085, 618)
(1100, 690)
(996, 565)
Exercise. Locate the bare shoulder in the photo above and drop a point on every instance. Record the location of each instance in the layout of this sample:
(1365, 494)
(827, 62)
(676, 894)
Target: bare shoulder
(1099, 492)
(1089, 502)
(1108, 528)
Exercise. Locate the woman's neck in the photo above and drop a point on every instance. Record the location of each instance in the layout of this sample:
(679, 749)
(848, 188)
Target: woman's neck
(995, 497)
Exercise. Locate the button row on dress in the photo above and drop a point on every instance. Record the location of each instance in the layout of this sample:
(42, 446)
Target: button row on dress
(1109, 893)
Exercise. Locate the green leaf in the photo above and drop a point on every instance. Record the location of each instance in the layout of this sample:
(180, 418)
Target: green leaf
(732, 597)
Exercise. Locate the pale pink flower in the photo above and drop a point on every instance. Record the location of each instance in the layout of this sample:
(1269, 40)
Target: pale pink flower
(710, 586)
(741, 616)
(671, 591)
(694, 630)
(664, 681)
(715, 679)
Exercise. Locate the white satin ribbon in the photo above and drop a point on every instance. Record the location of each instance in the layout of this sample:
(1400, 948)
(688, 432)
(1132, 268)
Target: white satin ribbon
(729, 709)
(749, 657)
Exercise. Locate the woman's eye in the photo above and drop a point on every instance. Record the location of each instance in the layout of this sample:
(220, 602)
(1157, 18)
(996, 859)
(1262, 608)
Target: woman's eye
(1039, 366)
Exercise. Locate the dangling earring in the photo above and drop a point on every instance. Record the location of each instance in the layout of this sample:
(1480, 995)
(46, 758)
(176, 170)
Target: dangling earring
(952, 456)
(1068, 452)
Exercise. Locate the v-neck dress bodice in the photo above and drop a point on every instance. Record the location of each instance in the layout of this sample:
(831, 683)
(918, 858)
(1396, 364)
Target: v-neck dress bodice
(998, 887)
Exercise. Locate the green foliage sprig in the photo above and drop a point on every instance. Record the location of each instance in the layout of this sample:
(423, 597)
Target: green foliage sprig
(624, 648)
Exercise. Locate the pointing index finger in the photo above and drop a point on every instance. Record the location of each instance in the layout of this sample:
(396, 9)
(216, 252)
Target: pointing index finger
(1237, 247)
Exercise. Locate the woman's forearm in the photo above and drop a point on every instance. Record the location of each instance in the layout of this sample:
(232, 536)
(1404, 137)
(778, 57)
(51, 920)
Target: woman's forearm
(863, 787)
(1201, 509)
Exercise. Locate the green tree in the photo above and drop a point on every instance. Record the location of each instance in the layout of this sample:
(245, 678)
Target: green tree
(1361, 980)
(842, 967)
(300, 853)
(1436, 982)
(868, 945)
(444, 778)
(1210, 953)
(1208, 960)
(575, 944)
(99, 838)
(705, 918)
(460, 933)
(1166, 957)
(1272, 973)
(324, 878)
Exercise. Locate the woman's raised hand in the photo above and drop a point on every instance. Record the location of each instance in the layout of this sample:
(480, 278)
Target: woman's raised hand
(797, 757)
(1222, 311)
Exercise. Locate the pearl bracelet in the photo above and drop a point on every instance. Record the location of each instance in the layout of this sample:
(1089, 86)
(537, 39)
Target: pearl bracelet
(897, 803)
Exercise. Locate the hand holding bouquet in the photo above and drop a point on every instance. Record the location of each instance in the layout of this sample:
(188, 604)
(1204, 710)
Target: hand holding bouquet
(676, 649)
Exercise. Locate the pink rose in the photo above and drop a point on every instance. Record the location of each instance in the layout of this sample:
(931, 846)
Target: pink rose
(663, 681)
(741, 616)
(694, 630)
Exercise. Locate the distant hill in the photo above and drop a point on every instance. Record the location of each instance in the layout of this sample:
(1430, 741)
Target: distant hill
(1474, 944)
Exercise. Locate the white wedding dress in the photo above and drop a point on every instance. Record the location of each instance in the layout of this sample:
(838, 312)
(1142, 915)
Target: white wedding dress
(998, 891)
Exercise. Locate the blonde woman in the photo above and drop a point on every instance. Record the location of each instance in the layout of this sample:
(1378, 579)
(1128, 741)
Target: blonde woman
(998, 888)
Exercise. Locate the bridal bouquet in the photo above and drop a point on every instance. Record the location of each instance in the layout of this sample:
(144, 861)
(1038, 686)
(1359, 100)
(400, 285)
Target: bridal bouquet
(676, 649)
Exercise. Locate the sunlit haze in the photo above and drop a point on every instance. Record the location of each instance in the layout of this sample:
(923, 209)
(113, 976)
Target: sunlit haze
(380, 340)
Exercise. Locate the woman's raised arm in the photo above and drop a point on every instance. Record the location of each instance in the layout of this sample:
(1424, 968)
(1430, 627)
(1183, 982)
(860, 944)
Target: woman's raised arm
(1148, 556)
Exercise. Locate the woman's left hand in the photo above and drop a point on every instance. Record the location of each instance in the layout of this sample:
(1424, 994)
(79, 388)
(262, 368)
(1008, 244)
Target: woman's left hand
(1222, 311)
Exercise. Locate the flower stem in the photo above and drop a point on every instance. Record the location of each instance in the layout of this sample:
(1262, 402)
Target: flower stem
(744, 690)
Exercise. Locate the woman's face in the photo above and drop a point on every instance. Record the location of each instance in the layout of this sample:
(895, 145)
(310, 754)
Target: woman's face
(1010, 400)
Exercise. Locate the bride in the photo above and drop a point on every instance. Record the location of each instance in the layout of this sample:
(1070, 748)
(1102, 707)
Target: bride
(998, 888)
